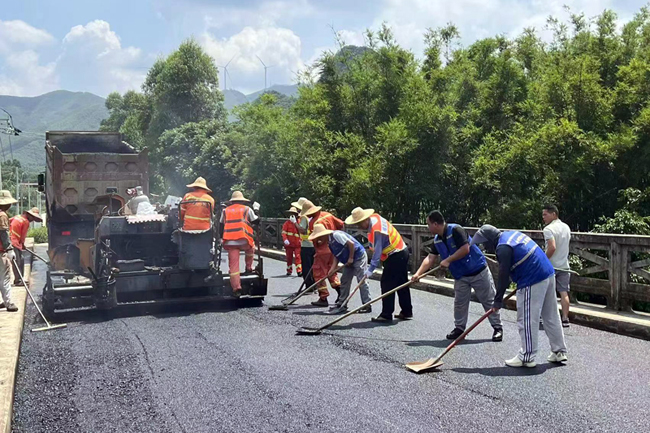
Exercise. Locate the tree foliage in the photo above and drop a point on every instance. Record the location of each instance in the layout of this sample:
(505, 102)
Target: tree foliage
(486, 133)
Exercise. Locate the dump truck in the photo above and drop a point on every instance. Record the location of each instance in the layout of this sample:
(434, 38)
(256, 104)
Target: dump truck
(102, 254)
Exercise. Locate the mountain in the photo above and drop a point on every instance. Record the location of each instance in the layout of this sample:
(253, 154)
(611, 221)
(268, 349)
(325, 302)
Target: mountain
(232, 98)
(59, 110)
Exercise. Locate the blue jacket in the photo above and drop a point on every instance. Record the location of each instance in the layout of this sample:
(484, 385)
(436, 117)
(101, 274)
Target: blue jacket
(530, 264)
(469, 265)
(341, 251)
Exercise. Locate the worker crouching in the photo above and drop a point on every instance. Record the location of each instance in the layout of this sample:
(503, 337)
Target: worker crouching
(238, 219)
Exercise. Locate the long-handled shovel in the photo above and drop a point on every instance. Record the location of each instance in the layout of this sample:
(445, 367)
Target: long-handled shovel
(37, 256)
(289, 298)
(433, 363)
(317, 331)
(49, 326)
(344, 305)
(285, 305)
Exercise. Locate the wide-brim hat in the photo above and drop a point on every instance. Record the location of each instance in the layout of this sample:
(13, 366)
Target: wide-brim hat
(6, 198)
(238, 196)
(308, 208)
(293, 210)
(358, 215)
(35, 213)
(199, 183)
(298, 204)
(319, 231)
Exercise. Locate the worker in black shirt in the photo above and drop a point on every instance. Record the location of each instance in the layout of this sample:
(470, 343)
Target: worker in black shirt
(468, 267)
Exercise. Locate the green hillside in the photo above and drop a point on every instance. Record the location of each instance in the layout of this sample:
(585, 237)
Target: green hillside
(59, 110)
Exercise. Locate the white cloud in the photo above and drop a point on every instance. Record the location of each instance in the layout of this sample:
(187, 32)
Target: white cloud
(279, 48)
(94, 56)
(23, 74)
(476, 19)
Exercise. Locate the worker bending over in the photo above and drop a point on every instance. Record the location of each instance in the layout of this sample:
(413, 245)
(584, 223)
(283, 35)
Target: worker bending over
(523, 261)
(348, 251)
(238, 219)
(469, 269)
(18, 228)
(389, 248)
(324, 258)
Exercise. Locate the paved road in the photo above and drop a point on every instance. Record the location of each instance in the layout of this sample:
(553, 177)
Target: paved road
(229, 370)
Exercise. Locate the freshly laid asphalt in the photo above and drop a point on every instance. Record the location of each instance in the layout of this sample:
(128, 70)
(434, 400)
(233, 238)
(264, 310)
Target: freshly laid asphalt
(216, 368)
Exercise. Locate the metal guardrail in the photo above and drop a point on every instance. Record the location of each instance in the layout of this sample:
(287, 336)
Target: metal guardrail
(612, 266)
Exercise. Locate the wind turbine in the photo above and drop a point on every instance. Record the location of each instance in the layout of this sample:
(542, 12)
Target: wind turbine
(265, 69)
(225, 71)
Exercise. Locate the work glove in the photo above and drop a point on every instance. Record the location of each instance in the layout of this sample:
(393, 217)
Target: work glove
(368, 274)
(256, 206)
(292, 218)
(11, 255)
(286, 242)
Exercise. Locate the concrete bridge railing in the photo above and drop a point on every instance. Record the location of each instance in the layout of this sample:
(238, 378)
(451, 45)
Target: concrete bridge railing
(614, 267)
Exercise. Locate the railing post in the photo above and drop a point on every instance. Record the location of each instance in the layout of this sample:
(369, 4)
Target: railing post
(615, 274)
(415, 246)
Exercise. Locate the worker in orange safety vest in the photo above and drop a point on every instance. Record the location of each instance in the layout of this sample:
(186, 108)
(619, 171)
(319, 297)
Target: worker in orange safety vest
(18, 228)
(197, 207)
(291, 239)
(324, 258)
(238, 219)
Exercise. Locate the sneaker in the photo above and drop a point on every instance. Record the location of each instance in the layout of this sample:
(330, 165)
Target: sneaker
(382, 319)
(320, 303)
(565, 323)
(517, 362)
(455, 334)
(236, 293)
(288, 274)
(11, 307)
(498, 334)
(365, 310)
(402, 316)
(557, 357)
(300, 274)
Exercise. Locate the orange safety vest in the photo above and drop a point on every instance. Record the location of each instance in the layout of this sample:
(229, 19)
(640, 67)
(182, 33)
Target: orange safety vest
(381, 225)
(197, 215)
(18, 228)
(236, 224)
(290, 233)
(331, 223)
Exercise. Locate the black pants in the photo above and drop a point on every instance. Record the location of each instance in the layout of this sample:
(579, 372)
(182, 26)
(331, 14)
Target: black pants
(307, 257)
(395, 273)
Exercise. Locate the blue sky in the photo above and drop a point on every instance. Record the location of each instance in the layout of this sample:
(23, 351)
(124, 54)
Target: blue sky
(100, 46)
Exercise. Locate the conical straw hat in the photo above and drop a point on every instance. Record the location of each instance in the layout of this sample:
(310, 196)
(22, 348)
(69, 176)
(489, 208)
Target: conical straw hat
(358, 215)
(35, 213)
(199, 183)
(238, 196)
(308, 208)
(319, 230)
(293, 210)
(6, 198)
(298, 204)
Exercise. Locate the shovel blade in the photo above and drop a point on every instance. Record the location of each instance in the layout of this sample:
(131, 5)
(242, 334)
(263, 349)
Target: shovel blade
(308, 331)
(278, 307)
(423, 367)
(49, 328)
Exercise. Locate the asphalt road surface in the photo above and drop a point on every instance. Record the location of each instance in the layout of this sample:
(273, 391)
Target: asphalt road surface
(224, 369)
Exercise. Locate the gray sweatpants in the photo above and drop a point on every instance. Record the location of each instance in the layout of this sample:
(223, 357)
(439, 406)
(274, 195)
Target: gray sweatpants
(533, 302)
(5, 279)
(483, 286)
(358, 269)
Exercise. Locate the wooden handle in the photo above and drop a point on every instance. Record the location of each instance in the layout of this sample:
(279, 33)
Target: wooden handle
(300, 295)
(378, 298)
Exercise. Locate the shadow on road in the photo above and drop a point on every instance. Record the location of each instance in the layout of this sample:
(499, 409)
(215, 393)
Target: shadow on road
(506, 371)
(362, 325)
(444, 343)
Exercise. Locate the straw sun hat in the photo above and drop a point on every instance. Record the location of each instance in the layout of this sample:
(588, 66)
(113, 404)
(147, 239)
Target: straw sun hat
(238, 196)
(6, 198)
(319, 230)
(35, 213)
(199, 183)
(298, 204)
(358, 215)
(308, 208)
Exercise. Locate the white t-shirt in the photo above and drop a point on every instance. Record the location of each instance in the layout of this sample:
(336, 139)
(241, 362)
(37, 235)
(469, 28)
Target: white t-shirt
(562, 234)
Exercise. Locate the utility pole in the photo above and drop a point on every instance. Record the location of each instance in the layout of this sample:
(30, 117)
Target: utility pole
(265, 69)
